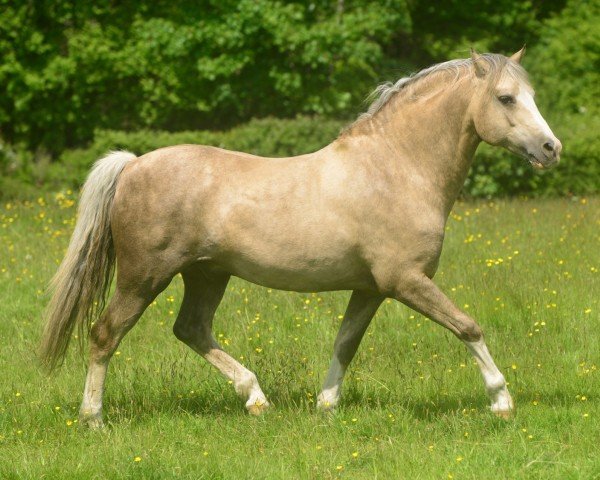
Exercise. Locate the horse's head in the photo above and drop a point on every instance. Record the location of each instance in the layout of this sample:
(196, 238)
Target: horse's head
(504, 111)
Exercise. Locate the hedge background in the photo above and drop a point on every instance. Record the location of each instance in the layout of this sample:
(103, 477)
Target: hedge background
(273, 78)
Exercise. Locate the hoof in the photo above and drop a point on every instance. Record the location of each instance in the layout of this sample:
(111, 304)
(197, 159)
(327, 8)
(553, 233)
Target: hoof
(503, 406)
(326, 407)
(92, 422)
(257, 408)
(504, 414)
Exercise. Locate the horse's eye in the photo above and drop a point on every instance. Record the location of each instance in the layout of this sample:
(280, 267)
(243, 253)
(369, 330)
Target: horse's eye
(506, 99)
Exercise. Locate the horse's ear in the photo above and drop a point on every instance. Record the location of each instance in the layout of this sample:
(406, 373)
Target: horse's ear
(517, 57)
(479, 64)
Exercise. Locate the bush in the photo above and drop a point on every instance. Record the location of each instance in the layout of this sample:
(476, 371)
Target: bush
(68, 68)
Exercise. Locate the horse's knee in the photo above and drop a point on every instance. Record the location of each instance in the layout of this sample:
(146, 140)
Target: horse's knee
(192, 335)
(101, 338)
(182, 332)
(469, 330)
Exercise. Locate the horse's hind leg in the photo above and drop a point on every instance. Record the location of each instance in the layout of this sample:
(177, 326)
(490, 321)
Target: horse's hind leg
(125, 308)
(203, 293)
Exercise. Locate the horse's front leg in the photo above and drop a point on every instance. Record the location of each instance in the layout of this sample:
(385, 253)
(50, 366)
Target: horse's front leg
(420, 293)
(360, 311)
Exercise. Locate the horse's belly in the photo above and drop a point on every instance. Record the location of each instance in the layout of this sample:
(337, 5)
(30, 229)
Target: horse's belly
(304, 281)
(301, 273)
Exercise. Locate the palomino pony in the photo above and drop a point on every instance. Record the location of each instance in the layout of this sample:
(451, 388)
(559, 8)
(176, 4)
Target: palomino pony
(366, 213)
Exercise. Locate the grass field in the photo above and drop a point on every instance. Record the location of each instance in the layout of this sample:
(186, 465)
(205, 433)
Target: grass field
(413, 406)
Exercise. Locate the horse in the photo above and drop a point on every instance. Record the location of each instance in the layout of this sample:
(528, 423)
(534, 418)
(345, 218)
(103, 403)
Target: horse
(366, 213)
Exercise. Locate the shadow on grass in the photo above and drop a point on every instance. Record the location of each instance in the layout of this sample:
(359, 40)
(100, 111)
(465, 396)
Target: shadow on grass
(210, 402)
(123, 408)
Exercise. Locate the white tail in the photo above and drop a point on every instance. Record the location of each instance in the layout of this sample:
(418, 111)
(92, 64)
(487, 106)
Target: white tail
(82, 281)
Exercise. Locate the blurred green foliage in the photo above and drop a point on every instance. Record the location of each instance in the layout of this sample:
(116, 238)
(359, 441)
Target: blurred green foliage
(78, 79)
(69, 67)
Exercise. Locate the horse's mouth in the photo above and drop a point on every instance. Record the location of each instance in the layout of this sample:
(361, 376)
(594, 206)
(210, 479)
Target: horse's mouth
(544, 164)
(533, 160)
(535, 163)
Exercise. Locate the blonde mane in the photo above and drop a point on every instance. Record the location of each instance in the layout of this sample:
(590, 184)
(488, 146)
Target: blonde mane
(434, 75)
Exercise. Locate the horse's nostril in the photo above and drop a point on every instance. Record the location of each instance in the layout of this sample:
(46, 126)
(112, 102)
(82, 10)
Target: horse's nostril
(549, 146)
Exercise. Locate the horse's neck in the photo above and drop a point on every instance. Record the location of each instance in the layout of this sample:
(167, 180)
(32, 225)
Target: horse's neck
(432, 138)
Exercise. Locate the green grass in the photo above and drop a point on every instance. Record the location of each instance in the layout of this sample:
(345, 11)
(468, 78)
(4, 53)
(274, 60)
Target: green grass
(413, 404)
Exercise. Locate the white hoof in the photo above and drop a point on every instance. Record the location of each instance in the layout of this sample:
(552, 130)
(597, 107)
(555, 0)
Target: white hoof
(503, 405)
(326, 404)
(94, 422)
(258, 406)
